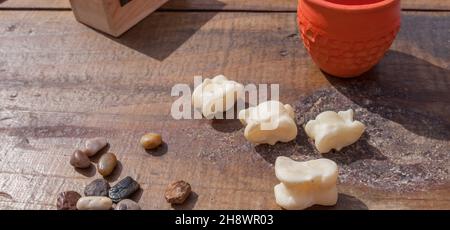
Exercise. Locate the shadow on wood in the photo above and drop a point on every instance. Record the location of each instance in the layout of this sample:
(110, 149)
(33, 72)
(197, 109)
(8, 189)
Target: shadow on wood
(189, 204)
(87, 172)
(406, 90)
(136, 196)
(361, 150)
(162, 33)
(345, 202)
(161, 150)
(271, 152)
(228, 125)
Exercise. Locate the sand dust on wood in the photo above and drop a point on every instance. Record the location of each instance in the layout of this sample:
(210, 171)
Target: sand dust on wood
(401, 149)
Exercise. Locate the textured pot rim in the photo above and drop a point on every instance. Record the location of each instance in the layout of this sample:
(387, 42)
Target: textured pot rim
(353, 8)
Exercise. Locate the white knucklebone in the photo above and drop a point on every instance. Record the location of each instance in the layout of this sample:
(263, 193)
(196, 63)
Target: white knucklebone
(269, 122)
(331, 130)
(216, 95)
(304, 184)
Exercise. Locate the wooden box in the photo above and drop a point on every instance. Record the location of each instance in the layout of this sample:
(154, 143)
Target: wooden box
(113, 17)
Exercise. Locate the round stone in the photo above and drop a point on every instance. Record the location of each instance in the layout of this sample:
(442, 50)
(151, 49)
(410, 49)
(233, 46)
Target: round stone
(107, 163)
(79, 159)
(98, 187)
(127, 204)
(67, 200)
(151, 141)
(94, 145)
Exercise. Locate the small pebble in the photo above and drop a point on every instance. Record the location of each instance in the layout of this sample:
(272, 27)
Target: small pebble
(107, 163)
(151, 141)
(67, 200)
(79, 159)
(94, 145)
(127, 204)
(284, 53)
(98, 187)
(123, 189)
(13, 95)
(94, 203)
(177, 192)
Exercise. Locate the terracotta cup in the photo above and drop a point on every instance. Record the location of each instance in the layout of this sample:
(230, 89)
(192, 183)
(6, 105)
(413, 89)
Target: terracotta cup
(346, 38)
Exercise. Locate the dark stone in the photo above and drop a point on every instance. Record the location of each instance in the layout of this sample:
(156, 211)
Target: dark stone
(123, 189)
(67, 200)
(98, 187)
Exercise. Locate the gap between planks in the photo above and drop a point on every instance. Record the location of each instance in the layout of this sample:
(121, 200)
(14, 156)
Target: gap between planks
(206, 10)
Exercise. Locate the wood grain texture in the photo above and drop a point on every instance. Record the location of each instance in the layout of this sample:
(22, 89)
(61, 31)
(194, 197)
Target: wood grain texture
(284, 5)
(258, 5)
(61, 83)
(51, 4)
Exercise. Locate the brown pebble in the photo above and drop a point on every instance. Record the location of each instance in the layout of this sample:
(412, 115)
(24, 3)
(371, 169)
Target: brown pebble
(94, 145)
(79, 159)
(177, 192)
(67, 200)
(151, 141)
(127, 204)
(107, 163)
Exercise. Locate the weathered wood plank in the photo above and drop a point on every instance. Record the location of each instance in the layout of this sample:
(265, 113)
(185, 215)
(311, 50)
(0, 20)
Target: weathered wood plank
(252, 5)
(61, 82)
(284, 5)
(35, 4)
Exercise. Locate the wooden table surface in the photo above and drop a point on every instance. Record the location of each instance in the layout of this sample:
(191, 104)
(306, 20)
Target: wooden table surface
(62, 82)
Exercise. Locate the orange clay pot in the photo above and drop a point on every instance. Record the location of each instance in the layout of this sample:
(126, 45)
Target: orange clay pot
(346, 38)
